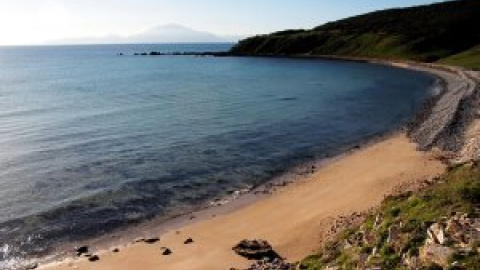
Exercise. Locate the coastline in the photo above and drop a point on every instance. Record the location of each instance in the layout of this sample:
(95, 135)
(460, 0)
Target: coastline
(351, 184)
(245, 208)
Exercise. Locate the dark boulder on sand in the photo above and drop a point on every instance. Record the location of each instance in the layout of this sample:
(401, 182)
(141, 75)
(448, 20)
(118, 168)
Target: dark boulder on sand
(94, 258)
(188, 241)
(81, 250)
(255, 250)
(166, 251)
(152, 240)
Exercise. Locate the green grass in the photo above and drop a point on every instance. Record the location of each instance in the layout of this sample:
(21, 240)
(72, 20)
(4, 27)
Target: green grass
(423, 33)
(457, 191)
(468, 59)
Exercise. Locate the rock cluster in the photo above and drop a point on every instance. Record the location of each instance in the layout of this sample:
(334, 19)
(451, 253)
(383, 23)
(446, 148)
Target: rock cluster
(439, 242)
(261, 251)
(275, 264)
(459, 232)
(255, 250)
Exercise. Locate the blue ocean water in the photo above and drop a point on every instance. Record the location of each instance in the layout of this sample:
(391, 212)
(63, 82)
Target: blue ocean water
(92, 141)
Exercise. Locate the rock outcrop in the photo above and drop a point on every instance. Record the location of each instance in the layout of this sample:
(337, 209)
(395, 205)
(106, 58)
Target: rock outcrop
(255, 250)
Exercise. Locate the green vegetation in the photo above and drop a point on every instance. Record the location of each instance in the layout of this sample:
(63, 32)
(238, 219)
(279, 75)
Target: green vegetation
(469, 58)
(425, 33)
(398, 231)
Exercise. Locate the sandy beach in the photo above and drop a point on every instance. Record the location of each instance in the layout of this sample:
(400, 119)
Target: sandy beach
(291, 220)
(297, 218)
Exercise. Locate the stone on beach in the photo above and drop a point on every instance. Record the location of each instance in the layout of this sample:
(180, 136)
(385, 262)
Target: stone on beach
(94, 258)
(138, 240)
(152, 240)
(188, 241)
(255, 250)
(166, 251)
(81, 250)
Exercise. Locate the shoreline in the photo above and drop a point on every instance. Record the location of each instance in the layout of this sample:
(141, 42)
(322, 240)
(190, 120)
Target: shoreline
(297, 174)
(208, 232)
(247, 200)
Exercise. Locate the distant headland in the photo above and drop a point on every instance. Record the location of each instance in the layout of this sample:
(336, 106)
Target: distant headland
(444, 33)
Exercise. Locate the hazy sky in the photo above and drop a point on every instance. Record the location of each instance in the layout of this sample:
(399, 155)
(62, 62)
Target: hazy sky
(38, 21)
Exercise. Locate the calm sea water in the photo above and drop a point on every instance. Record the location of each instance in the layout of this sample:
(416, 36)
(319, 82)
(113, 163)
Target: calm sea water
(91, 141)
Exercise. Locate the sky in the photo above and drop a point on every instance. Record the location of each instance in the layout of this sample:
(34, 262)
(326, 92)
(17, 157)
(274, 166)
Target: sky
(25, 22)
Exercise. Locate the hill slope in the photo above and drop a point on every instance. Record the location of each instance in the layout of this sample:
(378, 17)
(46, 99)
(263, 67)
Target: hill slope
(424, 33)
(469, 58)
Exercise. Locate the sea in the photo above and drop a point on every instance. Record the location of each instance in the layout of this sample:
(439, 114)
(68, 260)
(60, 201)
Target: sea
(94, 138)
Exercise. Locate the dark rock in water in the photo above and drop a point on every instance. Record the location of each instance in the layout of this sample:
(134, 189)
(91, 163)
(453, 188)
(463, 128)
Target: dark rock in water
(166, 251)
(81, 250)
(255, 250)
(152, 240)
(94, 258)
(188, 241)
(289, 98)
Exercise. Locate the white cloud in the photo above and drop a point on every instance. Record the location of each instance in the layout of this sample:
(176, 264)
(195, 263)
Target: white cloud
(46, 20)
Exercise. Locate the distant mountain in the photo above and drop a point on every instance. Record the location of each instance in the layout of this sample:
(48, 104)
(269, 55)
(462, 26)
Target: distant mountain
(174, 33)
(170, 33)
(436, 32)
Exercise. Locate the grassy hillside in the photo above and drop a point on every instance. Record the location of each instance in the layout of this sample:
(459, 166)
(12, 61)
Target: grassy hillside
(436, 228)
(469, 58)
(424, 33)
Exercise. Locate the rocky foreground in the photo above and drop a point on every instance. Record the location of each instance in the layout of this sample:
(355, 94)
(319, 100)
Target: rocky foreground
(435, 228)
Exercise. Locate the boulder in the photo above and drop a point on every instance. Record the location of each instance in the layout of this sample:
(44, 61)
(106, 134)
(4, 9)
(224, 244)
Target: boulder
(152, 240)
(81, 250)
(435, 253)
(166, 251)
(94, 258)
(436, 234)
(255, 250)
(188, 241)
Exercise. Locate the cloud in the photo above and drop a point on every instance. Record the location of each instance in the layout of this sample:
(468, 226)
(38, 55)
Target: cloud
(40, 21)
